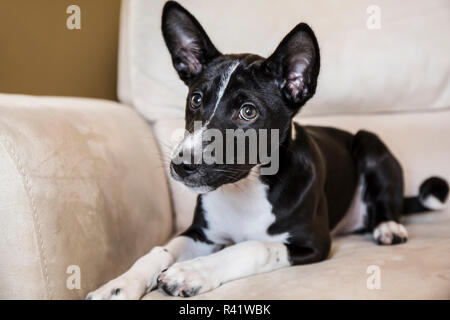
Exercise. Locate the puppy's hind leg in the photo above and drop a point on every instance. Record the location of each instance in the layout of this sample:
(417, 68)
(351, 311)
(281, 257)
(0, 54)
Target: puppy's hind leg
(383, 190)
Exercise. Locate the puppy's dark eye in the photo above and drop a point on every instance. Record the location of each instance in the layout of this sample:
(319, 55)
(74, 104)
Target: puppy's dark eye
(196, 101)
(248, 112)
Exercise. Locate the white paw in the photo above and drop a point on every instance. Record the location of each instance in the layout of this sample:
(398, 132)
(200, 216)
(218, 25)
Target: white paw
(187, 278)
(121, 288)
(390, 232)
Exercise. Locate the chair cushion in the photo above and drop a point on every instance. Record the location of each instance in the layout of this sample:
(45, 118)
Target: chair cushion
(417, 269)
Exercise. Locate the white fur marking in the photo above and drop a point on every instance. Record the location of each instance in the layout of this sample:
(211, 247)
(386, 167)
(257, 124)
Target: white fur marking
(240, 211)
(142, 276)
(194, 141)
(223, 85)
(432, 203)
(386, 231)
(241, 260)
(194, 144)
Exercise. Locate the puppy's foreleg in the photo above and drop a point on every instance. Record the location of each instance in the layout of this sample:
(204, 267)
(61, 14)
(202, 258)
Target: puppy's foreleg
(142, 276)
(206, 273)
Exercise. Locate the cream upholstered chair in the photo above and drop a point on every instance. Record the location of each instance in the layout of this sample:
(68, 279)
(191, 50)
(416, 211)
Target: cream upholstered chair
(83, 194)
(83, 181)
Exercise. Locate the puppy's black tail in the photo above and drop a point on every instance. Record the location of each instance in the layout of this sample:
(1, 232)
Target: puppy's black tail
(432, 195)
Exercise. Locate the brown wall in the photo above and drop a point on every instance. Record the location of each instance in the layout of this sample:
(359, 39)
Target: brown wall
(39, 55)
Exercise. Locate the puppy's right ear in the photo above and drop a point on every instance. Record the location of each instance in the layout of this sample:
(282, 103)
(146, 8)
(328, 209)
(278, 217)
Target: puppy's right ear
(189, 45)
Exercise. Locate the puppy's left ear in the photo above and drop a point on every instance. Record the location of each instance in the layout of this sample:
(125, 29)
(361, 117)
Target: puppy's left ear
(189, 45)
(295, 65)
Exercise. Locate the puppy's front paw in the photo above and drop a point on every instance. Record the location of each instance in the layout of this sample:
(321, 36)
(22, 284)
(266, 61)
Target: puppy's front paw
(122, 288)
(390, 232)
(187, 279)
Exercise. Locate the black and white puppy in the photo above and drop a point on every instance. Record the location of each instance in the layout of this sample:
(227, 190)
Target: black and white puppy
(329, 181)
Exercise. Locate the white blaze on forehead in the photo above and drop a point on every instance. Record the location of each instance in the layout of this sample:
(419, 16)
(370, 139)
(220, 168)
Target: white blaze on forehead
(223, 85)
(194, 141)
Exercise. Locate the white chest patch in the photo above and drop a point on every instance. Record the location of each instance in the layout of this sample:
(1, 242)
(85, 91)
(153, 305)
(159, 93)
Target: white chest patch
(240, 212)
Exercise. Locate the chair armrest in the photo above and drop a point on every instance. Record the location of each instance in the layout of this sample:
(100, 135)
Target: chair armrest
(82, 186)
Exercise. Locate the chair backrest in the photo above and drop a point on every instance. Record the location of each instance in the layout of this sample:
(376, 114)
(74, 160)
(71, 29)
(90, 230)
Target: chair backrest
(385, 58)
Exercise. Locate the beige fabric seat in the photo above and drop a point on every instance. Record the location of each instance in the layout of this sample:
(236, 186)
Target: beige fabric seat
(419, 269)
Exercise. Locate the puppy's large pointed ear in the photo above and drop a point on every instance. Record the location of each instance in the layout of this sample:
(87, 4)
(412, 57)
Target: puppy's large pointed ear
(295, 65)
(188, 43)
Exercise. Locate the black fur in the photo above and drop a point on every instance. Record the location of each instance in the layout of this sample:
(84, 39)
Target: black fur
(433, 186)
(195, 231)
(188, 57)
(319, 170)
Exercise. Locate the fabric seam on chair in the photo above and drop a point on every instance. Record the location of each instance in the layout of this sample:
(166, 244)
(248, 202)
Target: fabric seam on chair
(36, 224)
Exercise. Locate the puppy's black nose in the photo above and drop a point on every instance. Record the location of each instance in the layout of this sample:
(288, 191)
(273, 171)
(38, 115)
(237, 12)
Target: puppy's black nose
(189, 168)
(185, 169)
